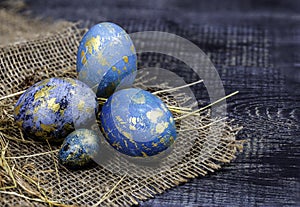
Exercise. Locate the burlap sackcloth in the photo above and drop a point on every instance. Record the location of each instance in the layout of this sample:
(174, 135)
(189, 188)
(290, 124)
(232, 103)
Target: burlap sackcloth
(29, 171)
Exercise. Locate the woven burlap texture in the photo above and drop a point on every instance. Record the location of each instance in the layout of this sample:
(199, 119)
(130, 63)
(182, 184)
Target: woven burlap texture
(17, 28)
(29, 171)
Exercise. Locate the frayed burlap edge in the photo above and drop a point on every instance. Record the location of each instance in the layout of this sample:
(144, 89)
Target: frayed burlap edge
(16, 28)
(18, 184)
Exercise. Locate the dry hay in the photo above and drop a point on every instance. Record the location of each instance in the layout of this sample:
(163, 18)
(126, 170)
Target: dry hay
(29, 171)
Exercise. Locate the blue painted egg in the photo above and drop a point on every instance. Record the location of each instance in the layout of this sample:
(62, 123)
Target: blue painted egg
(79, 149)
(50, 109)
(106, 59)
(137, 123)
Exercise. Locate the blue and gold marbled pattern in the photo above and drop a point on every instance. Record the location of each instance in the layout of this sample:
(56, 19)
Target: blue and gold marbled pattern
(79, 149)
(137, 123)
(50, 109)
(106, 59)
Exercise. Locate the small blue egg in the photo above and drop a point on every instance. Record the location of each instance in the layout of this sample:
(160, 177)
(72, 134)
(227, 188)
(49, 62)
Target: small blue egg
(79, 149)
(137, 123)
(106, 59)
(50, 109)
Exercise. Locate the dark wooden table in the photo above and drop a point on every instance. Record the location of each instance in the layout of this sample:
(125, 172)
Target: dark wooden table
(255, 47)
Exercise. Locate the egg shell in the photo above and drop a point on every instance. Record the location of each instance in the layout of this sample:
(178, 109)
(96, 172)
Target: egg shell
(106, 59)
(50, 109)
(137, 123)
(79, 149)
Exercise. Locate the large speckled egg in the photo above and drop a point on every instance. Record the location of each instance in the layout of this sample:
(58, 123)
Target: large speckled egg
(79, 149)
(137, 123)
(52, 108)
(106, 59)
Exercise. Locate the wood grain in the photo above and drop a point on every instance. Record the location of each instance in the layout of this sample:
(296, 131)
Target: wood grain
(254, 45)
